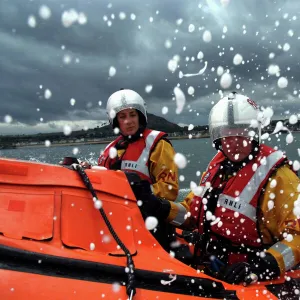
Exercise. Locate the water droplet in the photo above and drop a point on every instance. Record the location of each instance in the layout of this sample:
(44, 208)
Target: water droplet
(273, 69)
(69, 17)
(44, 12)
(98, 204)
(47, 94)
(220, 71)
(286, 47)
(168, 44)
(179, 21)
(200, 55)
(82, 19)
(148, 88)
(191, 127)
(282, 82)
(113, 152)
(270, 204)
(172, 65)
(8, 119)
(191, 27)
(164, 110)
(238, 58)
(67, 59)
(112, 71)
(180, 160)
(31, 21)
(207, 36)
(191, 90)
(289, 138)
(47, 143)
(180, 99)
(271, 55)
(226, 80)
(296, 165)
(151, 223)
(122, 15)
(293, 119)
(67, 130)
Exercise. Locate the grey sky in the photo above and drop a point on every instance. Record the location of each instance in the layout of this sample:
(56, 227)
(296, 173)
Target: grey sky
(33, 59)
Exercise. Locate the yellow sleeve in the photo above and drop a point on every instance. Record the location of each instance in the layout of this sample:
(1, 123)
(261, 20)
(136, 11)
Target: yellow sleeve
(188, 222)
(165, 174)
(164, 171)
(279, 224)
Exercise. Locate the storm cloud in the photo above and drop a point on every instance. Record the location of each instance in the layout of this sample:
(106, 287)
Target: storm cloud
(38, 53)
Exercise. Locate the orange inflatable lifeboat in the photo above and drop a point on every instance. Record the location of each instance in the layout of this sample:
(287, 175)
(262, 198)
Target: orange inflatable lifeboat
(54, 243)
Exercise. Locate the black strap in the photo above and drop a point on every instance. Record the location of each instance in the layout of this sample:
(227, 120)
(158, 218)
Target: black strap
(130, 286)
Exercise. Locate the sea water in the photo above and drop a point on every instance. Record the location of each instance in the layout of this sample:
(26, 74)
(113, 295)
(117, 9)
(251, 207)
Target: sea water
(198, 153)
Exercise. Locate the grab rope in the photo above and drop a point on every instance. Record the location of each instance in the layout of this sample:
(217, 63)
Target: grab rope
(130, 286)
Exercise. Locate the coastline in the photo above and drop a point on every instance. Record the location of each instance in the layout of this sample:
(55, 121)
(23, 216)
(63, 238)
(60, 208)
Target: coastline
(106, 141)
(98, 142)
(64, 144)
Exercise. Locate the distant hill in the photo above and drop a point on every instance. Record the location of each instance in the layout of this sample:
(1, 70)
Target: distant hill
(154, 122)
(106, 133)
(159, 123)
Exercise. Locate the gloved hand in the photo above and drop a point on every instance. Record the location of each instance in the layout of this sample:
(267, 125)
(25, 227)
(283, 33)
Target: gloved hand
(69, 160)
(85, 165)
(154, 206)
(264, 268)
(151, 205)
(193, 237)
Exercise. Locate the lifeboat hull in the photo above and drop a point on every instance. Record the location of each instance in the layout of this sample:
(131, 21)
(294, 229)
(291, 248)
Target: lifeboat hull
(54, 243)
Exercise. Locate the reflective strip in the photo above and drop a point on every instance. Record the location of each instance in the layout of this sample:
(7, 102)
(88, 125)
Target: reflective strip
(259, 176)
(140, 165)
(200, 191)
(241, 207)
(180, 216)
(287, 254)
(151, 138)
(203, 191)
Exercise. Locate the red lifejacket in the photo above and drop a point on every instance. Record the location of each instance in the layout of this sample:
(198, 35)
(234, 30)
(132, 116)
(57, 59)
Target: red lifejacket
(137, 154)
(235, 216)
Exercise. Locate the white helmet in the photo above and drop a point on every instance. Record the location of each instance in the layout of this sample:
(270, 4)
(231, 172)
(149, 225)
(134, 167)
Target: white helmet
(234, 115)
(124, 99)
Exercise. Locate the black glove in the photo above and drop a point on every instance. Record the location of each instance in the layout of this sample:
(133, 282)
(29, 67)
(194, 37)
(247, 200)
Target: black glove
(156, 207)
(151, 205)
(69, 160)
(264, 268)
(193, 237)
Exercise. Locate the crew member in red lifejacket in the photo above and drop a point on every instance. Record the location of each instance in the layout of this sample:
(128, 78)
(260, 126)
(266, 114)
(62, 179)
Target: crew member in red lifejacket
(149, 154)
(247, 207)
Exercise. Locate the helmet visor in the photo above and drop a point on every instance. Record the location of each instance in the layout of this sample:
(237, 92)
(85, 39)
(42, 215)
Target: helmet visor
(233, 118)
(243, 130)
